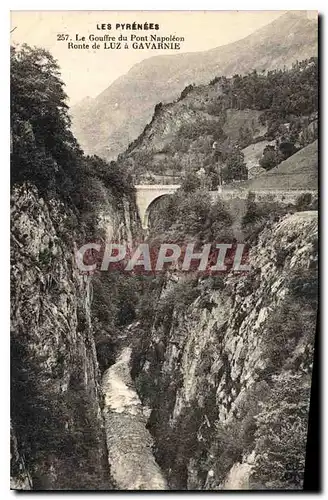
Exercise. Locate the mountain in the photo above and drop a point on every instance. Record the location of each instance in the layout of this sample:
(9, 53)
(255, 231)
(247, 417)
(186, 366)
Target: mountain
(106, 124)
(274, 114)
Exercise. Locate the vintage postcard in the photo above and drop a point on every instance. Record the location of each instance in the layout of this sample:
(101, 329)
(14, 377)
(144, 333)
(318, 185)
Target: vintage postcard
(164, 249)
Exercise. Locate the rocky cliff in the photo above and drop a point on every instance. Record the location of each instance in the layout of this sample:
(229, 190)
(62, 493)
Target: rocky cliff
(56, 397)
(133, 381)
(210, 393)
(228, 377)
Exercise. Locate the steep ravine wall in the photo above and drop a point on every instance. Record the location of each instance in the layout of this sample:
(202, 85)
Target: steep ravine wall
(194, 414)
(233, 361)
(58, 433)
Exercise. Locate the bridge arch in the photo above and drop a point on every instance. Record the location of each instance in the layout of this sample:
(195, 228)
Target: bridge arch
(146, 194)
(150, 207)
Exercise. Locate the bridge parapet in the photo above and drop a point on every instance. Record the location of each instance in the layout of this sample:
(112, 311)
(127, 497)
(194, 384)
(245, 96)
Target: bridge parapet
(146, 194)
(279, 195)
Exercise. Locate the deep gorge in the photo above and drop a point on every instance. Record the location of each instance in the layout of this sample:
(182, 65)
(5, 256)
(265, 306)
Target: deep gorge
(199, 357)
(204, 353)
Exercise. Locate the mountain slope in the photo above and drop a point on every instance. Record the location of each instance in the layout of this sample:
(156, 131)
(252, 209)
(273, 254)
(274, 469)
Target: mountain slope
(299, 171)
(239, 113)
(105, 125)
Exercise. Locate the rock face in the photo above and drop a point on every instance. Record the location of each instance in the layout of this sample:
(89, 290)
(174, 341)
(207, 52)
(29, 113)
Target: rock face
(107, 124)
(58, 428)
(236, 369)
(20, 478)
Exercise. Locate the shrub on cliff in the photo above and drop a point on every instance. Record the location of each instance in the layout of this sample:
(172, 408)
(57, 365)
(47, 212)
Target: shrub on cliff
(285, 328)
(281, 434)
(53, 427)
(258, 214)
(304, 202)
(191, 216)
(290, 328)
(304, 285)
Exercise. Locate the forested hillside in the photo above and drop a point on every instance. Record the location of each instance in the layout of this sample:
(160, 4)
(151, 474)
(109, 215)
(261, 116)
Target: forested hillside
(276, 110)
(44, 150)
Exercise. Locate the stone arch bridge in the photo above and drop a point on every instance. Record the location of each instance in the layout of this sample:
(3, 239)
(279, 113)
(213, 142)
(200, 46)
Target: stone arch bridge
(146, 195)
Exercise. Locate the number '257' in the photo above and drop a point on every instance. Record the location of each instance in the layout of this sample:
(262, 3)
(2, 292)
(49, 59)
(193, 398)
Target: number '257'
(61, 37)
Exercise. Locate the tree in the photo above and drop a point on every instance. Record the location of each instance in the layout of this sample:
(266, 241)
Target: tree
(43, 148)
(192, 214)
(235, 168)
(287, 149)
(269, 158)
(190, 183)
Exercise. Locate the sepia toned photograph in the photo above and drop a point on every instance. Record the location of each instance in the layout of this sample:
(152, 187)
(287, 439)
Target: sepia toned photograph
(164, 250)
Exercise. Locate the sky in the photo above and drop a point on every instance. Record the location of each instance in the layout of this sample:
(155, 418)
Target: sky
(89, 72)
